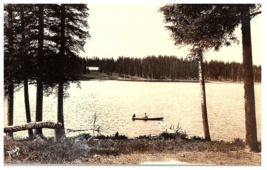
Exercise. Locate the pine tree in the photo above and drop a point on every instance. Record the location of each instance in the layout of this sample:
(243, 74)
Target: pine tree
(26, 59)
(9, 60)
(208, 26)
(71, 35)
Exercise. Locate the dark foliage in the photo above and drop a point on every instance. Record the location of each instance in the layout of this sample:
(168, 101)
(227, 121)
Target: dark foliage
(168, 67)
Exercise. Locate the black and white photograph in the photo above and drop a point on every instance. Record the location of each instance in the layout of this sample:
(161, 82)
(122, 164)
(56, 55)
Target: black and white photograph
(132, 83)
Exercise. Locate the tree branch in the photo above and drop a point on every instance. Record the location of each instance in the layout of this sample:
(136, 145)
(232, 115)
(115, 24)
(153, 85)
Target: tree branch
(256, 13)
(18, 89)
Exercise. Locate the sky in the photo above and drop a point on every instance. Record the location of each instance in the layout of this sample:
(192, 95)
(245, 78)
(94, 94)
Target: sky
(137, 30)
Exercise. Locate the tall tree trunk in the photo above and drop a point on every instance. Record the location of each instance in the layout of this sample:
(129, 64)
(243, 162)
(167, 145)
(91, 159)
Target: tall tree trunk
(203, 98)
(26, 91)
(10, 107)
(27, 106)
(39, 107)
(39, 95)
(250, 114)
(10, 100)
(60, 132)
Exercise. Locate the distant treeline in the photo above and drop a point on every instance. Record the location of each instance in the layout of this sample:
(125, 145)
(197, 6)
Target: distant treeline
(169, 67)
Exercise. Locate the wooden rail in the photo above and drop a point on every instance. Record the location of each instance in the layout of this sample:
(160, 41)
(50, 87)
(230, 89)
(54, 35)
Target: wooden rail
(32, 125)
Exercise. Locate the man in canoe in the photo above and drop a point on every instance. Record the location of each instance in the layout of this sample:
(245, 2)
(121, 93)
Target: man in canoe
(145, 116)
(134, 116)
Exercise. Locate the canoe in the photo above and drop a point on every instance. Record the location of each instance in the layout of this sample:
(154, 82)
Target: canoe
(156, 118)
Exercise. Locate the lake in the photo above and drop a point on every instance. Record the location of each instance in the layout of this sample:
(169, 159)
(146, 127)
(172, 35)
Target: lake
(114, 103)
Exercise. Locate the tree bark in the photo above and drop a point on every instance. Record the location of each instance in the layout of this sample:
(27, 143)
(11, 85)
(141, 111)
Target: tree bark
(32, 125)
(60, 132)
(203, 98)
(10, 100)
(39, 107)
(27, 106)
(39, 95)
(250, 114)
(10, 107)
(26, 91)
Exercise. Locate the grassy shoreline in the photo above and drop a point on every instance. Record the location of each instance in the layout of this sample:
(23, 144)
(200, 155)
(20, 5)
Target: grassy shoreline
(110, 150)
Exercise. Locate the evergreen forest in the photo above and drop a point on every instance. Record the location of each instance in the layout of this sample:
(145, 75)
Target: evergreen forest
(169, 67)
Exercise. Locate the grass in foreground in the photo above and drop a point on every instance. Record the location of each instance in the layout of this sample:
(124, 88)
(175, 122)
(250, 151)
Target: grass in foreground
(85, 149)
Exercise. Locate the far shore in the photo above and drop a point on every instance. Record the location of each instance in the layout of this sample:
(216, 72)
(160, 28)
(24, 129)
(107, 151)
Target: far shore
(118, 77)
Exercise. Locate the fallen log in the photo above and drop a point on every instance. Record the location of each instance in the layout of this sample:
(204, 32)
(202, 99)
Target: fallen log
(32, 125)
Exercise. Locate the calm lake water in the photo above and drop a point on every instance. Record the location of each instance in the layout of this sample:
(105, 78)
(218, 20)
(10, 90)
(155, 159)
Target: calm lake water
(115, 102)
